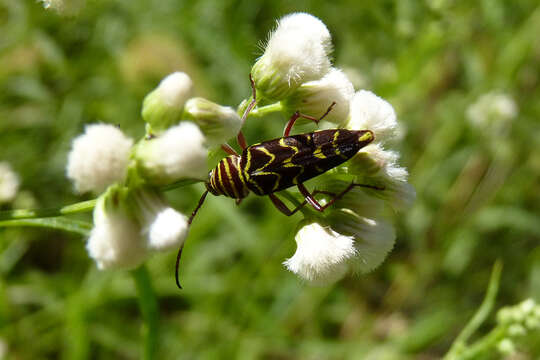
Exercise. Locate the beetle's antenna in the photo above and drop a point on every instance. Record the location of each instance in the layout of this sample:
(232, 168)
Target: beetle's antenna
(240, 137)
(201, 201)
(179, 255)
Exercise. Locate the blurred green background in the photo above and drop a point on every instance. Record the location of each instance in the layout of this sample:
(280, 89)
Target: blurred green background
(478, 188)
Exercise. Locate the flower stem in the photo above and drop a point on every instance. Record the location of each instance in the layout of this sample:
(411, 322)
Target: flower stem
(267, 109)
(149, 309)
(460, 344)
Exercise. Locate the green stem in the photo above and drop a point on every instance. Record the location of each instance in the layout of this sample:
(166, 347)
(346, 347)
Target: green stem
(267, 109)
(148, 305)
(79, 207)
(485, 344)
(479, 317)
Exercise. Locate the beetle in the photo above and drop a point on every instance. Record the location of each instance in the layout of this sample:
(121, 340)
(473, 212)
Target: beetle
(277, 164)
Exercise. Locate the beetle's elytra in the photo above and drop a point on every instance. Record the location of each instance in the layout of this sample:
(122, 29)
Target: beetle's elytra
(280, 163)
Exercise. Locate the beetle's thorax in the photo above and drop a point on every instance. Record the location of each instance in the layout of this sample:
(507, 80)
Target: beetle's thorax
(227, 179)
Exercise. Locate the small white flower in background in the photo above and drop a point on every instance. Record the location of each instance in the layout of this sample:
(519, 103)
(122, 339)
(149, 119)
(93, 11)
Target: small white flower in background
(178, 153)
(321, 255)
(98, 158)
(9, 183)
(297, 51)
(492, 111)
(314, 97)
(163, 106)
(129, 224)
(163, 227)
(218, 123)
(116, 241)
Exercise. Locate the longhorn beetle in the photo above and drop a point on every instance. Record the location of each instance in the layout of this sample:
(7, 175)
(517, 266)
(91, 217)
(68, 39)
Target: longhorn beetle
(278, 164)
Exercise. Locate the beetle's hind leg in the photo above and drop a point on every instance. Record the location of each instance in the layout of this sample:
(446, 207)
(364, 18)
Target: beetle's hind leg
(298, 115)
(310, 198)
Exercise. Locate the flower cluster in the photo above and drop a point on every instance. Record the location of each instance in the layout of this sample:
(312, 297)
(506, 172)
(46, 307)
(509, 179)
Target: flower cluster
(295, 73)
(356, 233)
(517, 321)
(131, 217)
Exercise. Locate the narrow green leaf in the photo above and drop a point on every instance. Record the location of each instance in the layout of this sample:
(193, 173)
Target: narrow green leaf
(60, 223)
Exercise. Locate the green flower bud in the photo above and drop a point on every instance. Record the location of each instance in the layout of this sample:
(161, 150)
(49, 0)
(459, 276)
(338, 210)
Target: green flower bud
(218, 123)
(163, 107)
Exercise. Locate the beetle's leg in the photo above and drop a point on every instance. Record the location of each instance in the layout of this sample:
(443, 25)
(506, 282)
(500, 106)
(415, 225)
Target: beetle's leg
(309, 198)
(297, 115)
(313, 202)
(282, 207)
(228, 149)
(240, 137)
(238, 201)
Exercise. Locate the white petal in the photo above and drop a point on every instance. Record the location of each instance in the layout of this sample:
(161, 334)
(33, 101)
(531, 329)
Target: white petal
(98, 158)
(168, 230)
(115, 241)
(368, 111)
(175, 89)
(314, 97)
(178, 153)
(297, 51)
(321, 255)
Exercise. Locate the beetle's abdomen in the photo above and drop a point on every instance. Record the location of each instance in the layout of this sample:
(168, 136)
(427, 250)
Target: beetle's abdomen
(277, 164)
(226, 179)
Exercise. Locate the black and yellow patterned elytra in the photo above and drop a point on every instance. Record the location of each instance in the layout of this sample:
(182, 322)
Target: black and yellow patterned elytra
(280, 163)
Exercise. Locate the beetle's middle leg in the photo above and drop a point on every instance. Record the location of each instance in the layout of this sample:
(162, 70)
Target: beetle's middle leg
(310, 199)
(298, 115)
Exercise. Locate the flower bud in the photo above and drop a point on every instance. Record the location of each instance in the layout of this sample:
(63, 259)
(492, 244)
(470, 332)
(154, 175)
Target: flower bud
(163, 227)
(98, 158)
(218, 123)
(314, 97)
(297, 51)
(163, 106)
(9, 183)
(115, 241)
(321, 255)
(178, 153)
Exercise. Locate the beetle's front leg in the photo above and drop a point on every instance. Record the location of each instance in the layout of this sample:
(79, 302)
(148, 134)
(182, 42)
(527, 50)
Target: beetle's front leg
(298, 115)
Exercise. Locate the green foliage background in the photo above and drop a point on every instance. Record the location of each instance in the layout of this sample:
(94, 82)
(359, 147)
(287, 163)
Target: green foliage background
(478, 195)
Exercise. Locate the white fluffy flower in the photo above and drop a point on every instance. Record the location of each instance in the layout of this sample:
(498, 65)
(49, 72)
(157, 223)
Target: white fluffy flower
(178, 153)
(373, 238)
(314, 97)
(98, 158)
(163, 106)
(297, 51)
(9, 183)
(368, 111)
(492, 110)
(163, 227)
(218, 123)
(115, 241)
(321, 255)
